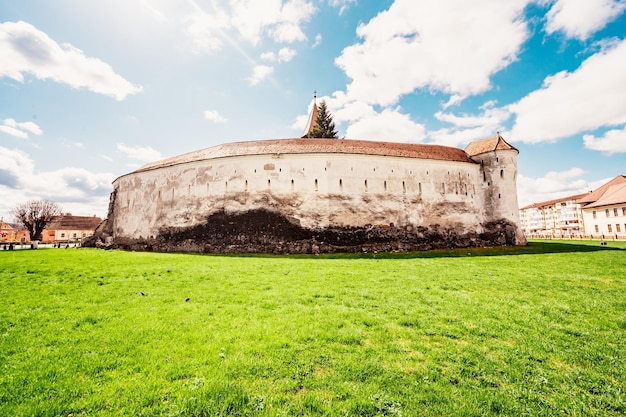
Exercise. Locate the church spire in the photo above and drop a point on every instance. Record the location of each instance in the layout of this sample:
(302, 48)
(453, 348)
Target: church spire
(312, 122)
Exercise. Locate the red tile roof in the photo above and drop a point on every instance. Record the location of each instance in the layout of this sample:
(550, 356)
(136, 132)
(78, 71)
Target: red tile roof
(301, 146)
(596, 194)
(576, 198)
(69, 222)
(489, 144)
(615, 194)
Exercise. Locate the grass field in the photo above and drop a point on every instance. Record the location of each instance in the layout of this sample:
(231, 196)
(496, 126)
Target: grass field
(532, 331)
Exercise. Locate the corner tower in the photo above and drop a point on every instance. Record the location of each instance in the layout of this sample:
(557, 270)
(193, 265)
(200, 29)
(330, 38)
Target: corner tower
(498, 167)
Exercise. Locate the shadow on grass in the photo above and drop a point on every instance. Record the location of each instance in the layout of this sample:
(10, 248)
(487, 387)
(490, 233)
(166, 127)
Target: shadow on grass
(532, 248)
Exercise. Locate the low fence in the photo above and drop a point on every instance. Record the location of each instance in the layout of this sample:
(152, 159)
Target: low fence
(577, 237)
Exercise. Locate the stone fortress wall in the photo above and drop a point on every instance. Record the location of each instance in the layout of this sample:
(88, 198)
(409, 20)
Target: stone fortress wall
(285, 196)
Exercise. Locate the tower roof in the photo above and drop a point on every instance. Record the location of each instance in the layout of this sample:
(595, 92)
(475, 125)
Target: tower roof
(490, 144)
(312, 122)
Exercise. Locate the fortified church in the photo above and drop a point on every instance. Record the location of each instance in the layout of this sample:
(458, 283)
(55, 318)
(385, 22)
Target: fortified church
(307, 195)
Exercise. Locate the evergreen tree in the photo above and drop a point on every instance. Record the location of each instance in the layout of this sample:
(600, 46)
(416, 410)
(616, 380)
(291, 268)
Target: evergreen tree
(324, 126)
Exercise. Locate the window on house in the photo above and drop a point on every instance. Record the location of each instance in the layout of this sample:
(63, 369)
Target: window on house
(62, 234)
(74, 235)
(623, 211)
(606, 212)
(597, 229)
(610, 228)
(615, 212)
(618, 229)
(594, 214)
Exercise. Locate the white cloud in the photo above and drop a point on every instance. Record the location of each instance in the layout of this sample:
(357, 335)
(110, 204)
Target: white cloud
(251, 20)
(284, 55)
(342, 4)
(10, 130)
(460, 137)
(318, 41)
(77, 190)
(581, 18)
(613, 141)
(206, 29)
(466, 128)
(26, 50)
(491, 116)
(214, 116)
(364, 122)
(569, 103)
(453, 46)
(389, 125)
(259, 73)
(140, 153)
(20, 130)
(554, 185)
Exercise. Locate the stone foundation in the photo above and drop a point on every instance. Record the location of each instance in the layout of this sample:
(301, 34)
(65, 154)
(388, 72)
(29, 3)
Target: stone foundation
(262, 231)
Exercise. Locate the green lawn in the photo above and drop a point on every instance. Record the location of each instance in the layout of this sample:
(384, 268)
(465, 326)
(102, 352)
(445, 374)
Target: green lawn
(532, 331)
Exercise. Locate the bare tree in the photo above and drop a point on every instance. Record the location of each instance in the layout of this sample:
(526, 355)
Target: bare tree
(34, 215)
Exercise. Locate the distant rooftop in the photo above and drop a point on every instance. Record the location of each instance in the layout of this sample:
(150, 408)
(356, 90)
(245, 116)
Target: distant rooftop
(548, 203)
(69, 222)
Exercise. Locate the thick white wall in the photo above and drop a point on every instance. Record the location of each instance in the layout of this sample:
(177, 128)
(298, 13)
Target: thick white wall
(314, 190)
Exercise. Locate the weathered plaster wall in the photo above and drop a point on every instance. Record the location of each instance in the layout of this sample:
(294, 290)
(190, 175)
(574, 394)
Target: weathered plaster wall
(315, 191)
(347, 199)
(499, 184)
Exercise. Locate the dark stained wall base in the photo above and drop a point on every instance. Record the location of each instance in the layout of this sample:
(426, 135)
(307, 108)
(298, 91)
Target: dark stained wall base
(262, 231)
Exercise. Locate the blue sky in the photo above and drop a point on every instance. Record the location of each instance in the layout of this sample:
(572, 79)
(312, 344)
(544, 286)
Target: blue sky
(91, 90)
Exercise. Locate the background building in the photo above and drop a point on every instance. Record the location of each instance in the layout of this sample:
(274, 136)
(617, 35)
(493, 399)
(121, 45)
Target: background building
(604, 210)
(70, 228)
(554, 218)
(64, 228)
(599, 214)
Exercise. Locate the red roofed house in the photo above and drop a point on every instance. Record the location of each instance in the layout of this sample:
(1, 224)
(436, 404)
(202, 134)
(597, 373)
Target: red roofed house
(604, 210)
(70, 228)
